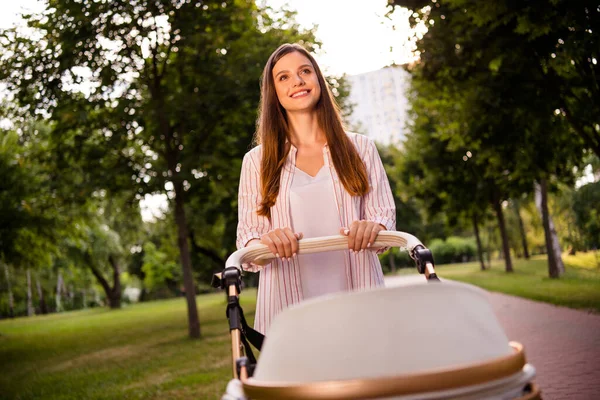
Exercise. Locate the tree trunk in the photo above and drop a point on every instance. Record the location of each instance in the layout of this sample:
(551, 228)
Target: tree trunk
(43, 306)
(11, 299)
(30, 309)
(505, 247)
(479, 247)
(186, 263)
(392, 262)
(97, 298)
(171, 155)
(84, 298)
(490, 232)
(59, 285)
(522, 230)
(555, 264)
(113, 295)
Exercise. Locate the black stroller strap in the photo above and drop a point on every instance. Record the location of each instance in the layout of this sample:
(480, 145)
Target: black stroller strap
(248, 350)
(254, 337)
(237, 320)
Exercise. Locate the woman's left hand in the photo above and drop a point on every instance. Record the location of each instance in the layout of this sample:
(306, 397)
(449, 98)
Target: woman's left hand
(361, 234)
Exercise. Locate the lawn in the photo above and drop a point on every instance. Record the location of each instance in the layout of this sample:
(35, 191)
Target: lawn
(578, 288)
(139, 352)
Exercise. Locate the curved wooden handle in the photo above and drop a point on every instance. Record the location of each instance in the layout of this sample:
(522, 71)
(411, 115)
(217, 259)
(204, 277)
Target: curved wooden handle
(261, 254)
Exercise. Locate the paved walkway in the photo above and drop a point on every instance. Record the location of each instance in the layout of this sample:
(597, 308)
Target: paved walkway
(562, 344)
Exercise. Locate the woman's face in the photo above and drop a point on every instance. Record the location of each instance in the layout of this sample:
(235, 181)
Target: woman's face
(296, 82)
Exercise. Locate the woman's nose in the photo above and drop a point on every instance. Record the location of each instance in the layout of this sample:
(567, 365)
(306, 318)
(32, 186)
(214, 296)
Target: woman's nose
(298, 81)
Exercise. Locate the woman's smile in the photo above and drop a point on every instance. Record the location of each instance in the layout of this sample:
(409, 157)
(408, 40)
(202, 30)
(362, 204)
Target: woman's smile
(300, 93)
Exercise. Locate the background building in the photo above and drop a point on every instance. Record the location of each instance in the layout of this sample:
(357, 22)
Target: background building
(380, 104)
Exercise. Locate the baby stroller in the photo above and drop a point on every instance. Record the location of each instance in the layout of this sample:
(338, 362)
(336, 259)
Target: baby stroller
(419, 341)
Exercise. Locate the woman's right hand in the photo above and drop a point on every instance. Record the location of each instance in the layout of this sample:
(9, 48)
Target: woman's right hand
(282, 242)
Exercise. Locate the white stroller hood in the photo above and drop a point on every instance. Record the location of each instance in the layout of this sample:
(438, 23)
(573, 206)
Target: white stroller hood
(385, 332)
(422, 341)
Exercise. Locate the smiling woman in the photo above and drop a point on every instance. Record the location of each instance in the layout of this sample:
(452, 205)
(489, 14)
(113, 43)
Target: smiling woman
(308, 177)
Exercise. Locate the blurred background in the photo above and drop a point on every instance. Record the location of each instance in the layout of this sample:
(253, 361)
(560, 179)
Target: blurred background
(123, 126)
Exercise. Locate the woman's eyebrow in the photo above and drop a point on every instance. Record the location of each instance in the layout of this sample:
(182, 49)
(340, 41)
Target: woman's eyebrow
(285, 70)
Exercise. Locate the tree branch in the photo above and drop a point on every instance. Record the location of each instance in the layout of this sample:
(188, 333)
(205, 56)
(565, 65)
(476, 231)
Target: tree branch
(204, 251)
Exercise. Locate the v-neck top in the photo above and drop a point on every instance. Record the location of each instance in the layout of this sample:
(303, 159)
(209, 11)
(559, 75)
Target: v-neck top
(314, 212)
(280, 282)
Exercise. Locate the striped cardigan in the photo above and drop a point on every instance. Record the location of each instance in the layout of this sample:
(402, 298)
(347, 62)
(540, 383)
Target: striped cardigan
(279, 283)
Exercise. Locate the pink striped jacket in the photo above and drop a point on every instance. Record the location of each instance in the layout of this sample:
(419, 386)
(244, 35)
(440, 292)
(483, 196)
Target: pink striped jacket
(279, 283)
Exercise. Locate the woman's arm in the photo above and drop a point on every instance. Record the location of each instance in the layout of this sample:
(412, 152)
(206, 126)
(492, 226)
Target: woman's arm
(251, 226)
(378, 211)
(378, 203)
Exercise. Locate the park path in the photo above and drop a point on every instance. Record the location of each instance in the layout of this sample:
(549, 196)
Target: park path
(561, 343)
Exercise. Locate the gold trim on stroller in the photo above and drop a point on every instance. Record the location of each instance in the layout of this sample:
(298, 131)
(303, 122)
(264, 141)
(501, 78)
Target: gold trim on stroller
(458, 377)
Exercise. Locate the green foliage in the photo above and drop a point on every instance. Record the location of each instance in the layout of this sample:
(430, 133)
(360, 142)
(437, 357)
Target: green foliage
(410, 214)
(586, 207)
(549, 50)
(157, 269)
(401, 260)
(452, 250)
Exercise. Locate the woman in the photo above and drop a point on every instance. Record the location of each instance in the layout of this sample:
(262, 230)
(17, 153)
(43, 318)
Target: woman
(306, 178)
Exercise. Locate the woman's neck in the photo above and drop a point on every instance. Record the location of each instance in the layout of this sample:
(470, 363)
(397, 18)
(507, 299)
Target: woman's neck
(305, 129)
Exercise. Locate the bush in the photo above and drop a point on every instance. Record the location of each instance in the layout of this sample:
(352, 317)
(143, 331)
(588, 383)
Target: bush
(453, 250)
(401, 260)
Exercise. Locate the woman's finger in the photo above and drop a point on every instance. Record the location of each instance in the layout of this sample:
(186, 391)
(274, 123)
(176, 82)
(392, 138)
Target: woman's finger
(293, 241)
(277, 242)
(286, 246)
(366, 237)
(360, 233)
(352, 235)
(374, 232)
(266, 240)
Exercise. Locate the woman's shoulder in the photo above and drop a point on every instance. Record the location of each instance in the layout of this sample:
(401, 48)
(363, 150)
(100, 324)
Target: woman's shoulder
(361, 141)
(254, 156)
(254, 153)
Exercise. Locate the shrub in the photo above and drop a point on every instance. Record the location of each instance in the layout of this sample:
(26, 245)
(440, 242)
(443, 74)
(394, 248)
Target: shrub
(453, 250)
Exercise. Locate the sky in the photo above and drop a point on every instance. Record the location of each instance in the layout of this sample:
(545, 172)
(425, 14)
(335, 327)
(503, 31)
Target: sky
(356, 35)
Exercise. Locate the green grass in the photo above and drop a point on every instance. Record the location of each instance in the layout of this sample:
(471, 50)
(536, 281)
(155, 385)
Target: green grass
(578, 288)
(139, 352)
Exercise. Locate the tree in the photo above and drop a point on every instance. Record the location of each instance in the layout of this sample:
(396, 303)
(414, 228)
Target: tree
(586, 207)
(561, 36)
(172, 89)
(500, 74)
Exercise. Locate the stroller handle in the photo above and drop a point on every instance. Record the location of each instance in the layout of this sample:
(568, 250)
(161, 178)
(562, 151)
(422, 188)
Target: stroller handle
(261, 254)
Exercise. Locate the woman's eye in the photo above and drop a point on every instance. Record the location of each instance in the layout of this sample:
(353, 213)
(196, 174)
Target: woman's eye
(282, 77)
(306, 71)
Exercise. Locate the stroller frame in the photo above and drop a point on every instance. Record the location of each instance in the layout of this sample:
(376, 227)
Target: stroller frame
(442, 380)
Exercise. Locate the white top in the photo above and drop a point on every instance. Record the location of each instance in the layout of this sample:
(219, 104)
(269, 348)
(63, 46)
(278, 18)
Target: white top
(315, 213)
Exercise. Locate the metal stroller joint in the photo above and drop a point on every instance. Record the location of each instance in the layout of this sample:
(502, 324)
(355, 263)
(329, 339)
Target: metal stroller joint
(229, 276)
(424, 260)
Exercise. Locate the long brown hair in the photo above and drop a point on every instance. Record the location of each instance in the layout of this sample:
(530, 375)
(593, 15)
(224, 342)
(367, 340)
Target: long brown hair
(273, 130)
